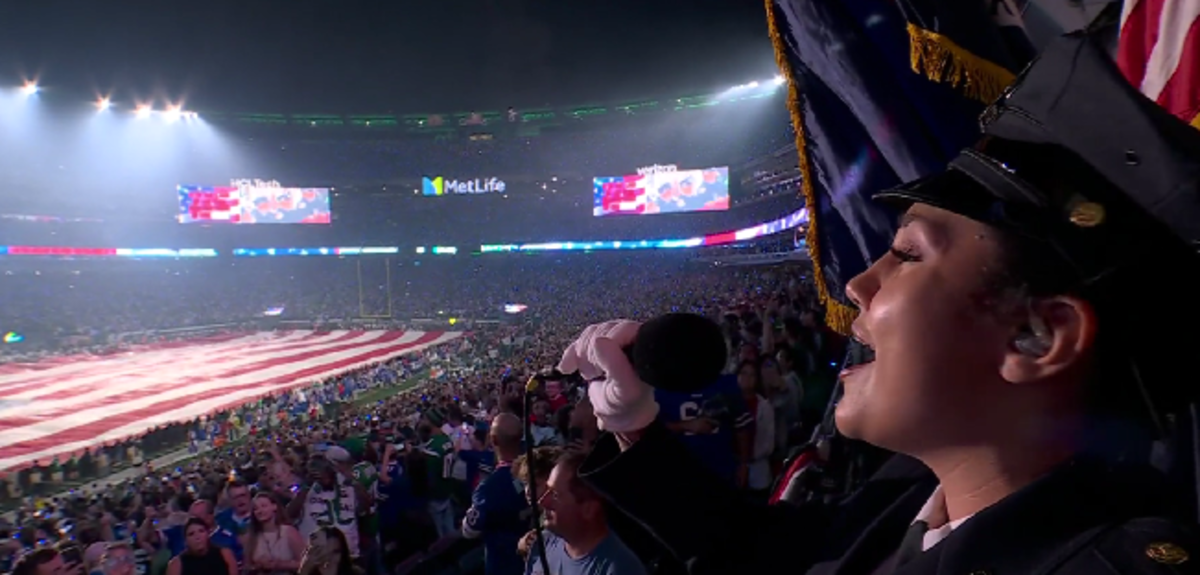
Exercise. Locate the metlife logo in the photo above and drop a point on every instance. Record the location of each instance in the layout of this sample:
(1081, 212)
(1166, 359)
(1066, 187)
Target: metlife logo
(440, 186)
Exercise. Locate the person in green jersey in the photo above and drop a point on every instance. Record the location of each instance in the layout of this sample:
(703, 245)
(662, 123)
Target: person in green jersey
(365, 474)
(439, 447)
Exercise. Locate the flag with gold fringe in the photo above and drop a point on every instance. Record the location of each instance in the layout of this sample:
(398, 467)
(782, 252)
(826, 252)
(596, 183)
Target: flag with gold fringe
(881, 92)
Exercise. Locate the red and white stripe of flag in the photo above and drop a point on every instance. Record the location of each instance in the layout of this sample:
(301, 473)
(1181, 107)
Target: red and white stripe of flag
(58, 407)
(1159, 52)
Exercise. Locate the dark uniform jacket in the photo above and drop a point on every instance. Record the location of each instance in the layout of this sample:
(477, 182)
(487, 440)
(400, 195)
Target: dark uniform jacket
(1083, 518)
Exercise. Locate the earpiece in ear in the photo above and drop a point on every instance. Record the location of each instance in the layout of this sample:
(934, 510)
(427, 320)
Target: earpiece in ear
(1034, 340)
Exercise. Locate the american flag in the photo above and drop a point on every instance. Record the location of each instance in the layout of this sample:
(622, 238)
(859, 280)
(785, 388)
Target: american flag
(1159, 52)
(621, 195)
(61, 406)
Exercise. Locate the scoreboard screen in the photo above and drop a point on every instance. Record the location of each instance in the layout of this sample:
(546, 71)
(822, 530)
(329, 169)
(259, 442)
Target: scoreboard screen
(253, 202)
(662, 192)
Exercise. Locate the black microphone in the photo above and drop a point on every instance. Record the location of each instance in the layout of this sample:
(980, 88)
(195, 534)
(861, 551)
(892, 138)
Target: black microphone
(680, 352)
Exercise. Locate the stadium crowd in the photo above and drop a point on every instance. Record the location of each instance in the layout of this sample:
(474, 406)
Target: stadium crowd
(405, 466)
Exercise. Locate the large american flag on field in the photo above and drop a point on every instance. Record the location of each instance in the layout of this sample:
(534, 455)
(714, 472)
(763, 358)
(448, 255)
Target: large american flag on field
(1159, 52)
(61, 406)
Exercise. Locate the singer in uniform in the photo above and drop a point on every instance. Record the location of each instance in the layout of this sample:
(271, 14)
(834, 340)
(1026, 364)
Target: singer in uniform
(1025, 325)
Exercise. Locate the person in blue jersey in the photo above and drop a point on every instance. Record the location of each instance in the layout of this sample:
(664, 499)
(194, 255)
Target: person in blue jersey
(499, 513)
(715, 424)
(236, 517)
(480, 460)
(400, 529)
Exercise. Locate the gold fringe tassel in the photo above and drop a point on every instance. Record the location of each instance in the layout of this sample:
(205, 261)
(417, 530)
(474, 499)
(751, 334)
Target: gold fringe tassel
(1195, 123)
(838, 315)
(941, 60)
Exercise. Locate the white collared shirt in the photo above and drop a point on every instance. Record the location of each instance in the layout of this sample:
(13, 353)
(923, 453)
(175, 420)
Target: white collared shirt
(934, 514)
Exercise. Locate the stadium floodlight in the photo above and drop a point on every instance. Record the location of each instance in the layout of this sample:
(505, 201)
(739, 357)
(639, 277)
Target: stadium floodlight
(143, 111)
(30, 88)
(174, 113)
(779, 80)
(103, 104)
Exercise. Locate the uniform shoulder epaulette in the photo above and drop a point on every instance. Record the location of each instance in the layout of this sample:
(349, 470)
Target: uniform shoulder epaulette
(1151, 545)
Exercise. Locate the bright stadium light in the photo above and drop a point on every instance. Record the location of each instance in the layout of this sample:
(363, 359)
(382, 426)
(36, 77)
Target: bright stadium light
(174, 113)
(143, 111)
(103, 104)
(779, 79)
(30, 88)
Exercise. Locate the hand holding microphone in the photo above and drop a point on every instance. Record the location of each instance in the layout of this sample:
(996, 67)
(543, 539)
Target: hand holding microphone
(675, 352)
(621, 400)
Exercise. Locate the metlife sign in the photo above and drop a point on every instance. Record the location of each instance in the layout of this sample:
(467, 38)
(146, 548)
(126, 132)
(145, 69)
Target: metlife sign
(441, 186)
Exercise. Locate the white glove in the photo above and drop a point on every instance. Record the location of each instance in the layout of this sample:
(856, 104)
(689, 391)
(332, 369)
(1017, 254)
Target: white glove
(621, 400)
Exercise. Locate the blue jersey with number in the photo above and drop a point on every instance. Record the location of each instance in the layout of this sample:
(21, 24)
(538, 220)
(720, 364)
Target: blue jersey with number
(717, 449)
(499, 515)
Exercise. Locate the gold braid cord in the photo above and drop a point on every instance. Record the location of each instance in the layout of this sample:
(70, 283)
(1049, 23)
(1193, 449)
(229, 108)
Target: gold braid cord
(838, 315)
(940, 59)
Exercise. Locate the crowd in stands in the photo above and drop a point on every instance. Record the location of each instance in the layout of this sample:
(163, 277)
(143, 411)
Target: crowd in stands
(83, 304)
(404, 467)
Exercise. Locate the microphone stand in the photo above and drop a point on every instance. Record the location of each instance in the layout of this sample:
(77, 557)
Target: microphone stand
(539, 538)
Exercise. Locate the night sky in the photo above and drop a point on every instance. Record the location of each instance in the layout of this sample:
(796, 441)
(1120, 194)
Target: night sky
(402, 56)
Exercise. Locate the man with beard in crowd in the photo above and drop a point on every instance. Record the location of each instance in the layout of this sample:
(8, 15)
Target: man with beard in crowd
(329, 500)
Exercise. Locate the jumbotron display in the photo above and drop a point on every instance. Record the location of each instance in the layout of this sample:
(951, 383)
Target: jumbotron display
(253, 202)
(662, 190)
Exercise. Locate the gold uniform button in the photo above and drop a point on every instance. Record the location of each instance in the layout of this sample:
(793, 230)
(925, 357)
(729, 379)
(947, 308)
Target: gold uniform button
(1087, 214)
(1166, 553)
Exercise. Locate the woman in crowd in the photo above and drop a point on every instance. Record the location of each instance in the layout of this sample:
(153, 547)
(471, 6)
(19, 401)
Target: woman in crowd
(201, 557)
(1008, 340)
(750, 382)
(272, 547)
(327, 554)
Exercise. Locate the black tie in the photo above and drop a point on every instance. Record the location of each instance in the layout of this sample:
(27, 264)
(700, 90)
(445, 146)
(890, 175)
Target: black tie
(913, 543)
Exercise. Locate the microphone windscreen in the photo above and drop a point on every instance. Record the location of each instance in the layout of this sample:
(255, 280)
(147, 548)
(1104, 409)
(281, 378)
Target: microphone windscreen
(679, 352)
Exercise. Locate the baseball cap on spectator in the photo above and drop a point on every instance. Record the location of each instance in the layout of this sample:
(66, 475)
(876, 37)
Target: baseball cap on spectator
(357, 446)
(338, 454)
(435, 416)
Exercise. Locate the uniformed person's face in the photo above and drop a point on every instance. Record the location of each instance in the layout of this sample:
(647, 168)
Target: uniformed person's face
(936, 351)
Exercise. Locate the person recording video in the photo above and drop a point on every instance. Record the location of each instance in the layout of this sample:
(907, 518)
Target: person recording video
(1007, 356)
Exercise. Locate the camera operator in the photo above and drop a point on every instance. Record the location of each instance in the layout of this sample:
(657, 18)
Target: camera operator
(1007, 347)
